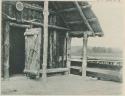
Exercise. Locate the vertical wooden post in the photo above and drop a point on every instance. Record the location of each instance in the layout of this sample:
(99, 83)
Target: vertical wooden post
(64, 51)
(84, 55)
(6, 51)
(45, 46)
(68, 51)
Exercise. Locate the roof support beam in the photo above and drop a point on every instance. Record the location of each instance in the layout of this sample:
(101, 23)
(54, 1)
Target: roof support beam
(36, 23)
(79, 22)
(82, 15)
(80, 33)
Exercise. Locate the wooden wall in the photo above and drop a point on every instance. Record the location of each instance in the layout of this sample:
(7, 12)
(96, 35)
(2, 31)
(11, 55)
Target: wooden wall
(56, 49)
(32, 11)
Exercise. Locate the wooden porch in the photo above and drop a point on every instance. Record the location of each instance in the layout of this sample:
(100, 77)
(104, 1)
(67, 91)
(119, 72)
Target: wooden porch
(49, 29)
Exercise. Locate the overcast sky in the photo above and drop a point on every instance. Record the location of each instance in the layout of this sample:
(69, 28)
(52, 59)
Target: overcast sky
(110, 15)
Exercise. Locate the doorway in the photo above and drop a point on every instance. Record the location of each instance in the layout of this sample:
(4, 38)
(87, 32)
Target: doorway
(17, 50)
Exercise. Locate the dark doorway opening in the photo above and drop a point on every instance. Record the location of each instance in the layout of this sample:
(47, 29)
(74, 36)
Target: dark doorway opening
(17, 50)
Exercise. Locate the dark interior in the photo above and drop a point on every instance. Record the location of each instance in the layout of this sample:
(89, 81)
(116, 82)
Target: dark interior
(17, 50)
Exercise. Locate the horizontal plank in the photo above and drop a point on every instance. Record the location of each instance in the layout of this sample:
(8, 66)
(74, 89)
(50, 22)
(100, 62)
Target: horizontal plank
(76, 67)
(55, 70)
(104, 60)
(20, 25)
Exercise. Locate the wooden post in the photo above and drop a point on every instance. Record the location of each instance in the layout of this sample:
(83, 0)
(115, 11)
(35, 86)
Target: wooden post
(84, 55)
(45, 46)
(6, 50)
(64, 51)
(68, 51)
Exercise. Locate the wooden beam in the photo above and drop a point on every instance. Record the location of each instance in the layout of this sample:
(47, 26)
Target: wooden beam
(58, 27)
(89, 33)
(99, 34)
(82, 15)
(32, 7)
(36, 23)
(64, 51)
(77, 68)
(6, 50)
(74, 22)
(56, 7)
(20, 25)
(54, 70)
(92, 19)
(72, 9)
(45, 43)
(57, 70)
(29, 6)
(79, 22)
(86, 6)
(84, 55)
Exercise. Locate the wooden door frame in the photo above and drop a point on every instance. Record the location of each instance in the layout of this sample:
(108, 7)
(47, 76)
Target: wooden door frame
(6, 46)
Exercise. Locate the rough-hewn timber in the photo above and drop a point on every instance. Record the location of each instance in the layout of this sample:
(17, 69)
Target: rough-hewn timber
(45, 44)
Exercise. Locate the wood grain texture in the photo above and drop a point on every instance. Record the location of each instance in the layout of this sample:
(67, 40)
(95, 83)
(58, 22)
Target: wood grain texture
(6, 51)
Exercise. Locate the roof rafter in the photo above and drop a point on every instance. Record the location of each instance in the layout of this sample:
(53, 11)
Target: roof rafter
(56, 7)
(72, 9)
(83, 17)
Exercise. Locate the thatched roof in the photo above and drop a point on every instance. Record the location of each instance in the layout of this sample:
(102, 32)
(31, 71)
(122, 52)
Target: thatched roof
(76, 16)
(74, 21)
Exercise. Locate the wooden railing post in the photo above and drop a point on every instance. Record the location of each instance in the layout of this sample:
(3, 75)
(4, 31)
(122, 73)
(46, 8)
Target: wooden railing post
(68, 52)
(45, 45)
(84, 55)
